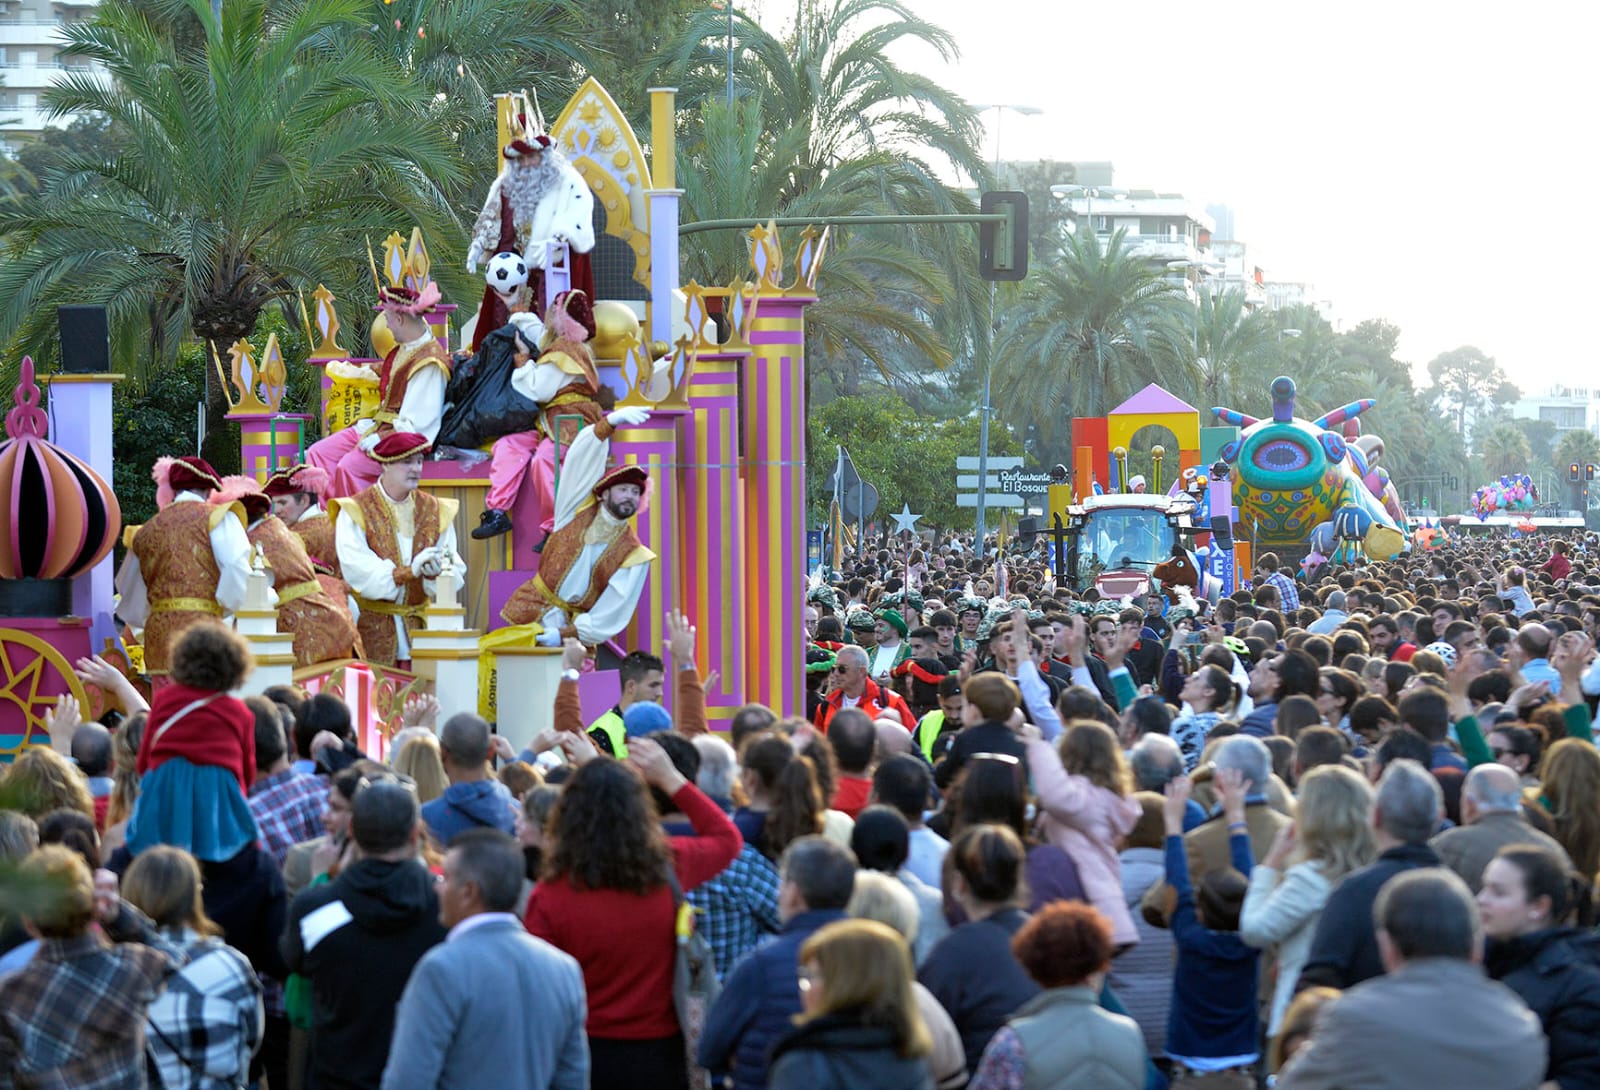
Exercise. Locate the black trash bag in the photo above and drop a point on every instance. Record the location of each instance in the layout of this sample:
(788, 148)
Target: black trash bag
(481, 405)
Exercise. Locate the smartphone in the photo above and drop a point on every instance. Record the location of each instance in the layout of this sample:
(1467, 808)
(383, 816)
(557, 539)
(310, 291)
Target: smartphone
(1194, 639)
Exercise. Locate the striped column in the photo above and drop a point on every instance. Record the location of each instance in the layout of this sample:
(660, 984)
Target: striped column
(775, 503)
(714, 560)
(270, 441)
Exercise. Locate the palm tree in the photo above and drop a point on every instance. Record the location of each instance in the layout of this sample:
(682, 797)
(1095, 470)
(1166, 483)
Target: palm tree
(1577, 447)
(1505, 450)
(256, 164)
(1081, 337)
(1218, 348)
(827, 124)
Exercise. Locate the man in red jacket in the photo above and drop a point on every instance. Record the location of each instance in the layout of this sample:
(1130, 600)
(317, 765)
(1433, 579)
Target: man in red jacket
(852, 688)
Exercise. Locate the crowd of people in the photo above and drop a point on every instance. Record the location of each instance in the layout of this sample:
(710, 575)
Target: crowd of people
(1338, 829)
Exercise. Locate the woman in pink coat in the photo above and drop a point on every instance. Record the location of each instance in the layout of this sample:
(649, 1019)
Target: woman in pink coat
(1085, 805)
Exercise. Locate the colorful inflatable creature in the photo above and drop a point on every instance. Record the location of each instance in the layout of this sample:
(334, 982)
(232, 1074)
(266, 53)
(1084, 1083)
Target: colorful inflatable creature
(1295, 476)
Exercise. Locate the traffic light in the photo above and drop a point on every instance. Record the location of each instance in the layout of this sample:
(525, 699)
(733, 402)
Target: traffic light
(1572, 472)
(1454, 487)
(1003, 247)
(1588, 472)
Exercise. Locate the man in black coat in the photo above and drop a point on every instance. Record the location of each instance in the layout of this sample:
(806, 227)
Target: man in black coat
(357, 938)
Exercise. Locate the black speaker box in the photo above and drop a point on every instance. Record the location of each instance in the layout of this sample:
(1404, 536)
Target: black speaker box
(85, 340)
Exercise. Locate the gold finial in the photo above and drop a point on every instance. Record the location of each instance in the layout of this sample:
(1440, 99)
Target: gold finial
(766, 256)
(327, 324)
(246, 379)
(274, 373)
(394, 259)
(808, 262)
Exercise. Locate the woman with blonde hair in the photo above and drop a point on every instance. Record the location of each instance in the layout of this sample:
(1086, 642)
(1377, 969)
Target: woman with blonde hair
(1570, 776)
(41, 780)
(209, 1021)
(1085, 795)
(859, 1025)
(418, 758)
(1331, 836)
(885, 899)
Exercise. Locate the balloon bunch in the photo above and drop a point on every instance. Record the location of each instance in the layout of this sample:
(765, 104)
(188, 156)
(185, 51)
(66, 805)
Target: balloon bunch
(1514, 493)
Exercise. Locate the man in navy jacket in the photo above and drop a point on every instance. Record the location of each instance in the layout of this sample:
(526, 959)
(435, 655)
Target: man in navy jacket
(761, 997)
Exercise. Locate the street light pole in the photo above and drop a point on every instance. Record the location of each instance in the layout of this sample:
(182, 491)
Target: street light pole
(999, 109)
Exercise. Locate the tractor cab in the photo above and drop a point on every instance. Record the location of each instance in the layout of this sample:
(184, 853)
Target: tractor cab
(1115, 541)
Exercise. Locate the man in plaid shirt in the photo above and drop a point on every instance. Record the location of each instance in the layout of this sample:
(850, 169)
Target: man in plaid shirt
(287, 804)
(1288, 596)
(74, 1016)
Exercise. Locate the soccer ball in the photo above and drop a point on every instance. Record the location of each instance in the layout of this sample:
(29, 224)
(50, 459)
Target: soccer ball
(506, 272)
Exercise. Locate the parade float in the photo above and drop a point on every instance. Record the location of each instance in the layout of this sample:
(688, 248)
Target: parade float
(1283, 483)
(719, 372)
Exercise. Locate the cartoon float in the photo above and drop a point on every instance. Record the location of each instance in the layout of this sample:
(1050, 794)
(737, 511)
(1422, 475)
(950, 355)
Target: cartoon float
(1300, 484)
(718, 372)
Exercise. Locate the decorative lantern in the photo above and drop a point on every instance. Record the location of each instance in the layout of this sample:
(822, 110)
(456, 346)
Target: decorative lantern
(63, 519)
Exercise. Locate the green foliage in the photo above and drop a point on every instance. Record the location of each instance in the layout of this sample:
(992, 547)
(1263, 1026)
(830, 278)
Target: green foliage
(1576, 445)
(1081, 338)
(1505, 450)
(153, 419)
(826, 123)
(908, 457)
(1467, 382)
(49, 152)
(253, 165)
(619, 37)
(1047, 216)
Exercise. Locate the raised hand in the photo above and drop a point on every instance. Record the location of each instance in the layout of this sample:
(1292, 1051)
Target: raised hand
(680, 638)
(630, 417)
(60, 722)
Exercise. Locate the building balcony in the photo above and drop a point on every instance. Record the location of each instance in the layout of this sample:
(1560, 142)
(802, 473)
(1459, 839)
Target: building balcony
(20, 120)
(46, 74)
(24, 32)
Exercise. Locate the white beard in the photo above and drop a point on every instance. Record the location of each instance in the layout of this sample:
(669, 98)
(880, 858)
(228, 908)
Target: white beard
(525, 187)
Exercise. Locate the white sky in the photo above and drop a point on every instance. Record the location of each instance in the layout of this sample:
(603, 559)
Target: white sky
(1421, 161)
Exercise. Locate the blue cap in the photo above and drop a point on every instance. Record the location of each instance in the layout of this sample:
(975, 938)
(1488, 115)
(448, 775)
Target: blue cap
(644, 719)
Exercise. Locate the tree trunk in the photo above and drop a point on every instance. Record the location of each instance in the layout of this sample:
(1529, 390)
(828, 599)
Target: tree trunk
(219, 446)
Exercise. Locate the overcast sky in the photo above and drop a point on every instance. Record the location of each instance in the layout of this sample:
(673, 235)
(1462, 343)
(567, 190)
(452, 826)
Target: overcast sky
(1424, 162)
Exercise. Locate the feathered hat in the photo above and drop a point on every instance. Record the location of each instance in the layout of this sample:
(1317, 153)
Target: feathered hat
(187, 474)
(571, 306)
(404, 300)
(295, 479)
(245, 492)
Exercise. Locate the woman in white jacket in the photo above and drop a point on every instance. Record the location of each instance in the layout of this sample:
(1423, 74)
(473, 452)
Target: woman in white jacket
(1331, 836)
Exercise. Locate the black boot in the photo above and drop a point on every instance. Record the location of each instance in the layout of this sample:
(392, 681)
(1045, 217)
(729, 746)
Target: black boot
(492, 524)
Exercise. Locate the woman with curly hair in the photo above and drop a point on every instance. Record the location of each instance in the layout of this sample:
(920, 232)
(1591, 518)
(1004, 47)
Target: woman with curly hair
(1062, 1037)
(1085, 793)
(41, 780)
(607, 898)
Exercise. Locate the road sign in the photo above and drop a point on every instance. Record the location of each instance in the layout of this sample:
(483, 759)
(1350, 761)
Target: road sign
(997, 483)
(990, 499)
(995, 464)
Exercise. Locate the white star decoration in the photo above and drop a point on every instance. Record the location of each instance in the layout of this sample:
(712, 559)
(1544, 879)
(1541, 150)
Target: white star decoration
(905, 520)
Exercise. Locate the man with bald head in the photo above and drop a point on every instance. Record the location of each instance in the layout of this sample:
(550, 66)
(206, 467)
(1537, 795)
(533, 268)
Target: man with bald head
(91, 752)
(474, 799)
(1491, 818)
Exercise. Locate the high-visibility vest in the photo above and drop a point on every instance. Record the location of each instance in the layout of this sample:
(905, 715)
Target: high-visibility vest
(928, 728)
(609, 727)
